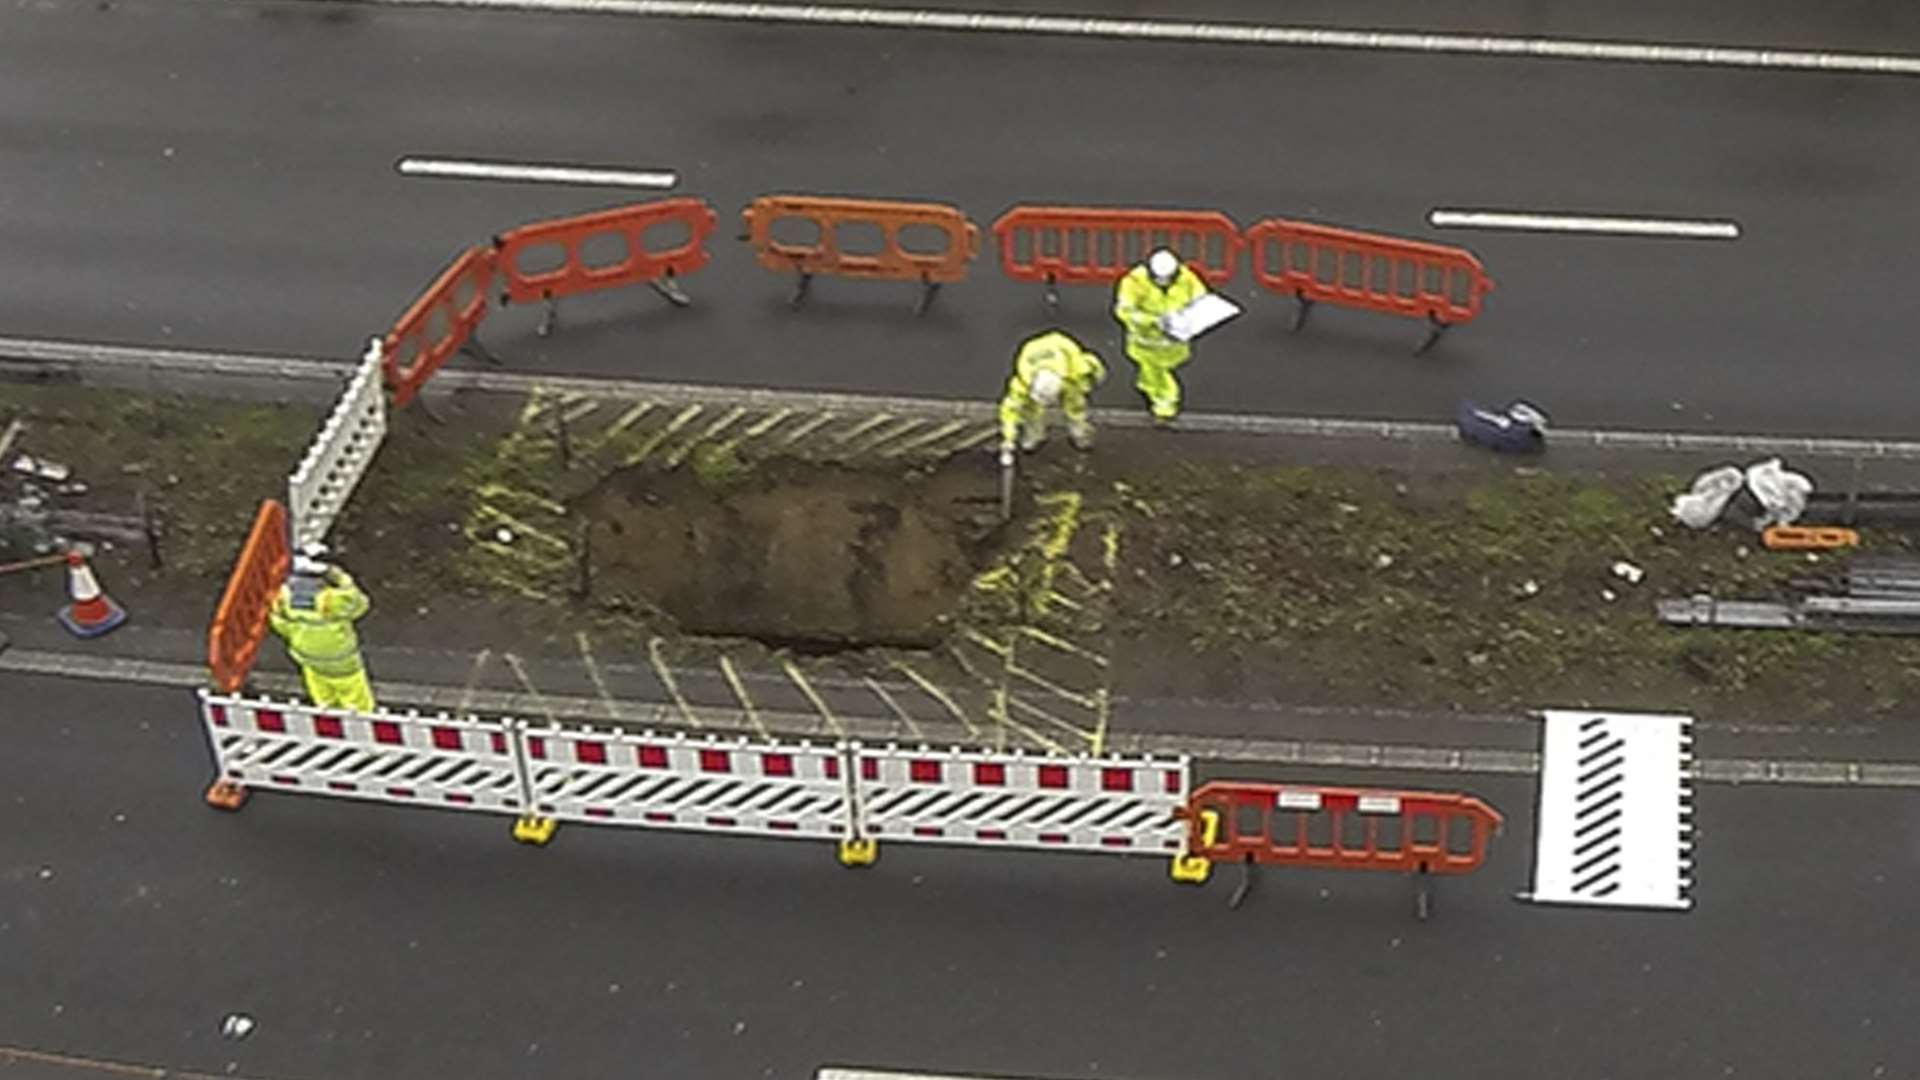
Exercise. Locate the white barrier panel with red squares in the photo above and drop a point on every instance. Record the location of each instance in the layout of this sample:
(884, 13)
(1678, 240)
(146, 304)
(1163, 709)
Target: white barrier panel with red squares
(686, 782)
(843, 791)
(390, 757)
(1119, 805)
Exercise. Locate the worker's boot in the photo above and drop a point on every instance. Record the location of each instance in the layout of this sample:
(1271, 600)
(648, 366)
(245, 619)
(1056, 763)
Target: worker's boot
(1080, 434)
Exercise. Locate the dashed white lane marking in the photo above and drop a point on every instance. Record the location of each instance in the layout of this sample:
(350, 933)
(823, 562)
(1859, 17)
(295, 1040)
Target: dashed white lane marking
(1576, 223)
(529, 172)
(1223, 33)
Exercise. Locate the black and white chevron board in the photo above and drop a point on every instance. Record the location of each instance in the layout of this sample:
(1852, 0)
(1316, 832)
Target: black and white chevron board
(1615, 824)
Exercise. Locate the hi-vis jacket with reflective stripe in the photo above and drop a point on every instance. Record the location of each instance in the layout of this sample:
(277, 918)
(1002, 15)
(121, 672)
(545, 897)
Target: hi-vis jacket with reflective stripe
(1139, 304)
(1080, 370)
(321, 637)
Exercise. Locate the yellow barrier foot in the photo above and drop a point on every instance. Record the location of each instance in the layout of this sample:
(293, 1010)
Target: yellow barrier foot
(859, 852)
(226, 795)
(1190, 869)
(531, 829)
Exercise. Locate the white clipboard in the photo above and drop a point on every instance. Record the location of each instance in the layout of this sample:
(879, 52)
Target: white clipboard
(1207, 311)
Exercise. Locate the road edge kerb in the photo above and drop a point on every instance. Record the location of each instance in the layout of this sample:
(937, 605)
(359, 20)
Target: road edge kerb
(69, 358)
(1214, 749)
(1215, 33)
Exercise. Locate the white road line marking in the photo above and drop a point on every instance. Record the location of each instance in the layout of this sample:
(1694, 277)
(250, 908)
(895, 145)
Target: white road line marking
(1576, 223)
(1216, 749)
(587, 176)
(1223, 34)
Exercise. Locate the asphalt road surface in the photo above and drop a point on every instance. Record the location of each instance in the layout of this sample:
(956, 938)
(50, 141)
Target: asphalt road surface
(367, 941)
(221, 175)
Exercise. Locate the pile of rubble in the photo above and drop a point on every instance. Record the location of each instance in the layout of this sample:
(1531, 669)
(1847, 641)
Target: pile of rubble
(1869, 595)
(41, 514)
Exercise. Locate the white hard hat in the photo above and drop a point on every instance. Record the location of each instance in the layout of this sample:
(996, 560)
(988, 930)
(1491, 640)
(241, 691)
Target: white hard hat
(311, 560)
(1045, 388)
(1163, 264)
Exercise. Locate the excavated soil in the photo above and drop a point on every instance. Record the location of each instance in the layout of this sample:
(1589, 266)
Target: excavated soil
(797, 555)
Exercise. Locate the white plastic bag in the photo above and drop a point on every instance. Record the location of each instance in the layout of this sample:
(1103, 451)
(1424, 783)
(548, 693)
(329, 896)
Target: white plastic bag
(1701, 507)
(1782, 494)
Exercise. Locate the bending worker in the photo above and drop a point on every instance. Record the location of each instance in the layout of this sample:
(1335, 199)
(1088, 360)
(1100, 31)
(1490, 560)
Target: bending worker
(315, 611)
(1051, 369)
(1142, 301)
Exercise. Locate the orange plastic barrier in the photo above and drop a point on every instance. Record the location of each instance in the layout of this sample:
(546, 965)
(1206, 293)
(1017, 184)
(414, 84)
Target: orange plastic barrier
(888, 258)
(1339, 828)
(240, 622)
(439, 323)
(1315, 263)
(1072, 245)
(1808, 538)
(577, 270)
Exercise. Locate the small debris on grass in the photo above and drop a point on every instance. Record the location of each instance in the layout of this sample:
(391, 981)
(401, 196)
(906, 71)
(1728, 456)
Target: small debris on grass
(41, 468)
(1528, 588)
(1628, 572)
(1608, 595)
(503, 534)
(1382, 561)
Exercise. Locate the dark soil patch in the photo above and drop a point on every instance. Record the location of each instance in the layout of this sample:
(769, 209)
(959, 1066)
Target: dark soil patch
(798, 555)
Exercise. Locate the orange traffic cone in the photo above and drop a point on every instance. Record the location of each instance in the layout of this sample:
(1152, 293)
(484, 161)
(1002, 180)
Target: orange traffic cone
(91, 613)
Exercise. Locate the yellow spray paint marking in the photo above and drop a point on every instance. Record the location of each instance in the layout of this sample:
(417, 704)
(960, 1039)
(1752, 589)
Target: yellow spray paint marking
(740, 691)
(665, 675)
(503, 493)
(756, 430)
(912, 726)
(819, 706)
(593, 672)
(987, 643)
(725, 421)
(926, 438)
(1036, 736)
(473, 679)
(806, 428)
(975, 439)
(1014, 670)
(1031, 709)
(520, 528)
(860, 429)
(580, 410)
(1054, 641)
(928, 688)
(998, 709)
(1052, 596)
(520, 672)
(625, 420)
(883, 436)
(536, 402)
(681, 419)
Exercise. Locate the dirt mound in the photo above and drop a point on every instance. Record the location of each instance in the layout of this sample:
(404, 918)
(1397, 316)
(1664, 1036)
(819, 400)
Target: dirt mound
(796, 554)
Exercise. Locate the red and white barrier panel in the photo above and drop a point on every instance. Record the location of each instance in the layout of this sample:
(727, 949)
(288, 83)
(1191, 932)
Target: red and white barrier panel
(388, 757)
(1118, 805)
(686, 782)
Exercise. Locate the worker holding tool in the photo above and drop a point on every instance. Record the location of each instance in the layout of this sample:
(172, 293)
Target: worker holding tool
(1143, 300)
(315, 611)
(1051, 369)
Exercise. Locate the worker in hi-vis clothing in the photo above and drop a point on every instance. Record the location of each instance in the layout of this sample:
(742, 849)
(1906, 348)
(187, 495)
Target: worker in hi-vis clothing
(1142, 301)
(315, 611)
(1050, 370)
